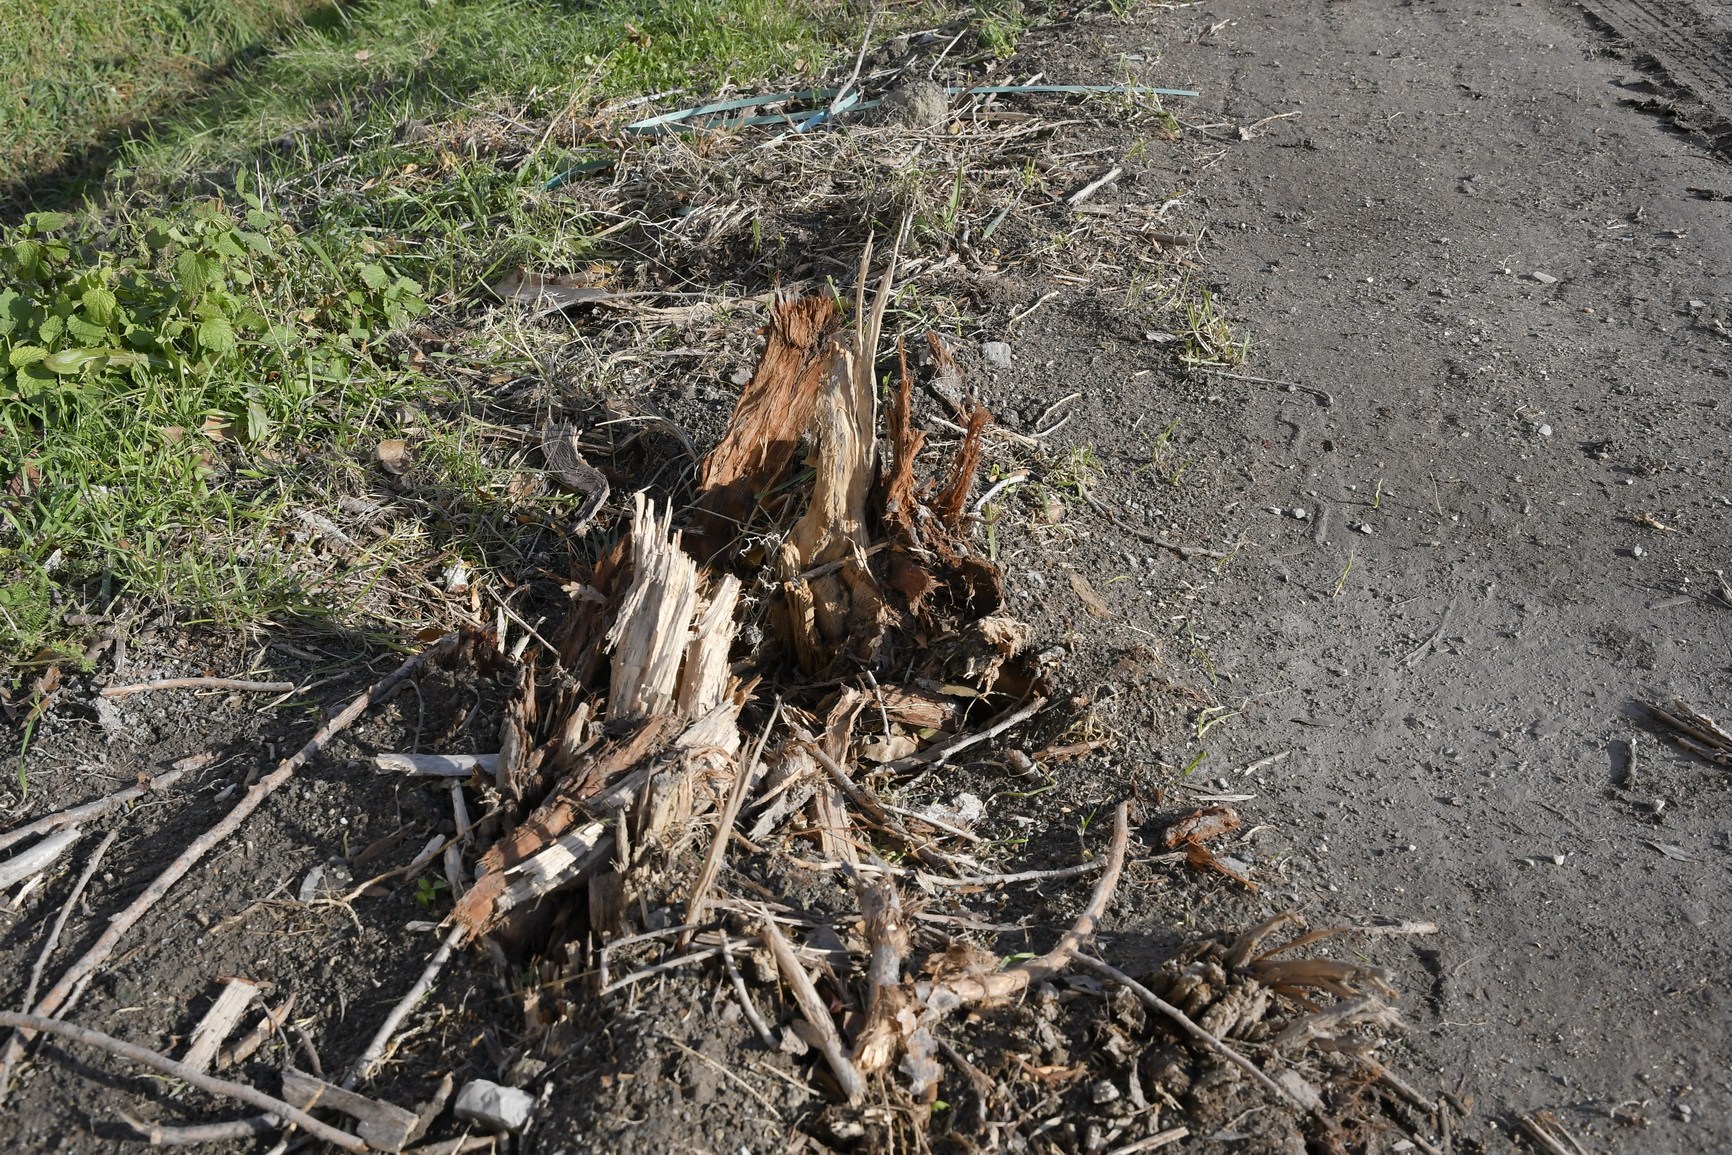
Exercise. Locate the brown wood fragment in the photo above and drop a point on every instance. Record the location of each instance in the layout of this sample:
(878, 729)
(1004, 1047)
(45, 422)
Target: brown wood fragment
(385, 1126)
(1201, 825)
(1092, 601)
(952, 499)
(774, 412)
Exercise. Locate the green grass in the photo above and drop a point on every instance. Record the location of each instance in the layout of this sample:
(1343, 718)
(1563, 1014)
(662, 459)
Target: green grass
(75, 72)
(199, 356)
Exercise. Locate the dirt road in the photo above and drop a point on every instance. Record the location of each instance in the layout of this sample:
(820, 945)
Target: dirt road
(1515, 285)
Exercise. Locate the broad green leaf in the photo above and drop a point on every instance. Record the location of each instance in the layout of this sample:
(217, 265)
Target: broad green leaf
(23, 355)
(99, 305)
(217, 335)
(374, 277)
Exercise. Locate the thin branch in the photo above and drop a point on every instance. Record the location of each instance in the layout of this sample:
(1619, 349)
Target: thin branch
(1013, 981)
(208, 1083)
(747, 1006)
(65, 913)
(158, 1135)
(198, 684)
(92, 809)
(375, 1052)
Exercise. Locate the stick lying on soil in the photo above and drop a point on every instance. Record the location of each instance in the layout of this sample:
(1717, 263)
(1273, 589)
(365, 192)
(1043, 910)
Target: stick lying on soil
(58, 998)
(53, 939)
(102, 806)
(375, 1052)
(199, 684)
(208, 1083)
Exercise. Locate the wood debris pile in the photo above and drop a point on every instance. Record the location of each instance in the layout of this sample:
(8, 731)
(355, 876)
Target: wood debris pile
(726, 693)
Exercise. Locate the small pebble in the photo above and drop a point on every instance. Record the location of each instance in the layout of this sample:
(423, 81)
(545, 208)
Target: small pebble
(1638, 551)
(1545, 431)
(1544, 278)
(1299, 512)
(996, 354)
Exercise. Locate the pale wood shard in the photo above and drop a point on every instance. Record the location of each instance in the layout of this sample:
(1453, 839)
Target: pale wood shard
(830, 820)
(650, 634)
(704, 677)
(825, 1036)
(218, 1023)
(384, 1126)
(436, 765)
(561, 861)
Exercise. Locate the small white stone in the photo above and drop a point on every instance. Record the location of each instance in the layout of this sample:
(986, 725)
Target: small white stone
(1544, 278)
(996, 354)
(1545, 431)
(493, 1107)
(1300, 513)
(1638, 551)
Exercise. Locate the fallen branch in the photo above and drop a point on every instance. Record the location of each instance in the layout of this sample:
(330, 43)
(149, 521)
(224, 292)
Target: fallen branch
(98, 808)
(827, 1040)
(104, 947)
(234, 1130)
(198, 684)
(53, 939)
(38, 858)
(1009, 983)
(1155, 1002)
(937, 754)
(207, 1083)
(375, 1052)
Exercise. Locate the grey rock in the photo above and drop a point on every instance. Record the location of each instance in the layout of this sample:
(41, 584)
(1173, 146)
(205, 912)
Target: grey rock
(915, 104)
(493, 1107)
(996, 354)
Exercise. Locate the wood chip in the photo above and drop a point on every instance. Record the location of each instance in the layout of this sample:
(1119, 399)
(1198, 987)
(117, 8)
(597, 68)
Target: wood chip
(218, 1022)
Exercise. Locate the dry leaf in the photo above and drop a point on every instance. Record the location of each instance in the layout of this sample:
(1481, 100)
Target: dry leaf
(1090, 599)
(1201, 825)
(216, 427)
(393, 454)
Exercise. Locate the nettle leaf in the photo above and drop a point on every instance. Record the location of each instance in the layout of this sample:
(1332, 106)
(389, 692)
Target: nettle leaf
(258, 422)
(83, 330)
(47, 222)
(100, 305)
(197, 272)
(14, 310)
(22, 355)
(51, 328)
(216, 335)
(374, 277)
